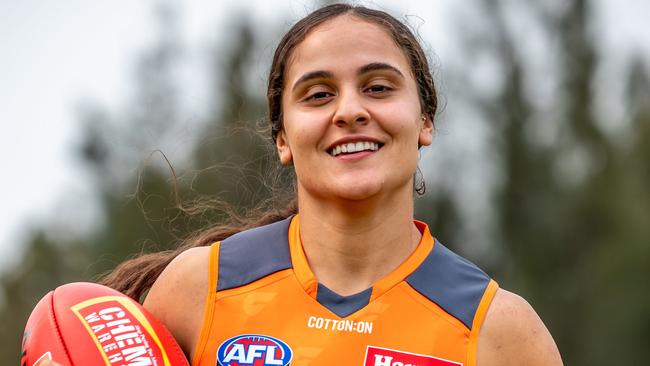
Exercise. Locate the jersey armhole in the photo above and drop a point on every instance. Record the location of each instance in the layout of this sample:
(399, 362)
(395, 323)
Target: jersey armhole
(477, 323)
(208, 312)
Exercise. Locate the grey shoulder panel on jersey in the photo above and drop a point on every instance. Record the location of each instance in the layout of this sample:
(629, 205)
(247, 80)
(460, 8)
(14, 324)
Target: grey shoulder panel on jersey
(252, 254)
(452, 282)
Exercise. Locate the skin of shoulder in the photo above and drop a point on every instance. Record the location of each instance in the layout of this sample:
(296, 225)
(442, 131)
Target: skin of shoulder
(177, 298)
(513, 334)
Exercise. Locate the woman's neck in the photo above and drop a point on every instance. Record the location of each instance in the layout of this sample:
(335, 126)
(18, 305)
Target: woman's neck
(351, 245)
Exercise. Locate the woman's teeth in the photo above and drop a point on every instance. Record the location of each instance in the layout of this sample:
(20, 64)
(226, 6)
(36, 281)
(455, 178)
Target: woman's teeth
(353, 147)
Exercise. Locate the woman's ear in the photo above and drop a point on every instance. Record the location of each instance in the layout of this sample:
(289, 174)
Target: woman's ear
(426, 132)
(284, 150)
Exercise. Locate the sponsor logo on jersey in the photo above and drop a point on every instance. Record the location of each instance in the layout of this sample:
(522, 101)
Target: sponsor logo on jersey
(254, 350)
(340, 325)
(376, 356)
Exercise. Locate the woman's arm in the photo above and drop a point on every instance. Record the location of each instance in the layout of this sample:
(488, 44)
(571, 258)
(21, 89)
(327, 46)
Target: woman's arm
(177, 297)
(513, 334)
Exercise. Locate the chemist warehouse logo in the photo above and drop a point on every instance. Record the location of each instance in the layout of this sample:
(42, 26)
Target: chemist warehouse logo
(376, 356)
(254, 350)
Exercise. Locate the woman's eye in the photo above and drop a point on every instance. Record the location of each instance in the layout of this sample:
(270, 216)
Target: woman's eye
(375, 89)
(319, 95)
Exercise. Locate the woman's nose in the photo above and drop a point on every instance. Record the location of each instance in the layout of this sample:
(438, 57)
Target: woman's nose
(350, 110)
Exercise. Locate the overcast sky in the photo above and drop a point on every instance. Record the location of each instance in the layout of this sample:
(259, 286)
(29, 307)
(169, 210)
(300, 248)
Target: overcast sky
(55, 54)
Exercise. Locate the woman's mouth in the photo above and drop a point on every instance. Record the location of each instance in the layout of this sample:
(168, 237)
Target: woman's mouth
(354, 147)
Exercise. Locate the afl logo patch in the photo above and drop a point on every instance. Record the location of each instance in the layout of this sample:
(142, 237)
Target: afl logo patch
(253, 350)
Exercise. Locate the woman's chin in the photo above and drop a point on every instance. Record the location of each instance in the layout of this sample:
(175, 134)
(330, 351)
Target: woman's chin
(357, 189)
(357, 192)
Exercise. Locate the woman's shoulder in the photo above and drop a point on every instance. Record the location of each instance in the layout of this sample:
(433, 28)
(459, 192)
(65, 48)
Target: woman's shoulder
(185, 273)
(513, 334)
(178, 296)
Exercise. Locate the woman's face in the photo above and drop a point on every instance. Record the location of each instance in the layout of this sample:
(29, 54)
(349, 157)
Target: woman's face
(351, 113)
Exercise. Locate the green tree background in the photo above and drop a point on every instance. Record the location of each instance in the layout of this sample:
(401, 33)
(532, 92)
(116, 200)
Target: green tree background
(562, 215)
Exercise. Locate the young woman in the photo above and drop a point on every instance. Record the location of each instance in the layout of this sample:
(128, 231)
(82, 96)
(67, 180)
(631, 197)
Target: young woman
(351, 278)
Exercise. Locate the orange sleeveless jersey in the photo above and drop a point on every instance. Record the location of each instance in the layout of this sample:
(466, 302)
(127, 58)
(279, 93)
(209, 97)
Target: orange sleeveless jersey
(265, 307)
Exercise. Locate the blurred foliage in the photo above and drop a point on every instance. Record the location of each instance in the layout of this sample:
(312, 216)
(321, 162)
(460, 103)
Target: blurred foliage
(570, 215)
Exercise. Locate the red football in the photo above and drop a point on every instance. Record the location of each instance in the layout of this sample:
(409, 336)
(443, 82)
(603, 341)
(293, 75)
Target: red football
(86, 324)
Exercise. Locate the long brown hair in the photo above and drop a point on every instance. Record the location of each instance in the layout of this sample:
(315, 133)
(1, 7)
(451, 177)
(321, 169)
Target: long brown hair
(135, 276)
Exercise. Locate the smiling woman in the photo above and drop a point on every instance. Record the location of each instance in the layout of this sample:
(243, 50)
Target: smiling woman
(361, 91)
(344, 270)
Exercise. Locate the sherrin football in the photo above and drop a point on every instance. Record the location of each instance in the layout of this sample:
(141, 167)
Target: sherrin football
(86, 324)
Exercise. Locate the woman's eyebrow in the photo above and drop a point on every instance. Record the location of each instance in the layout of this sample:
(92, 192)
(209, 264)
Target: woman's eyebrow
(378, 66)
(319, 74)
